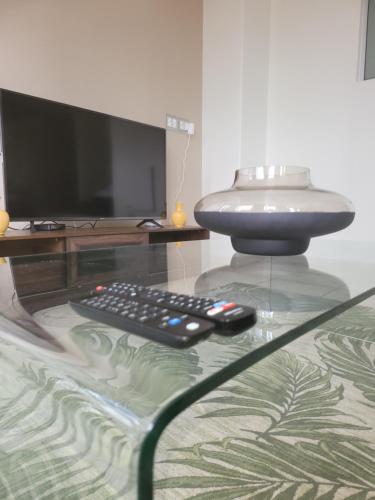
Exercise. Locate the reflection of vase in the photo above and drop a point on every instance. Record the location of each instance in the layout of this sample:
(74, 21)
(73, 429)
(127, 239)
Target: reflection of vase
(4, 221)
(273, 210)
(179, 216)
(283, 284)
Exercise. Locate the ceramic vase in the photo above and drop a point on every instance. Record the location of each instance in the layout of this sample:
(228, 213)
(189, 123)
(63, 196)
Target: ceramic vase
(273, 210)
(4, 222)
(179, 216)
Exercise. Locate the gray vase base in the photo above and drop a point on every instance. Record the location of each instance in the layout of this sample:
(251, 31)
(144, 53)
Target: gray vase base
(270, 247)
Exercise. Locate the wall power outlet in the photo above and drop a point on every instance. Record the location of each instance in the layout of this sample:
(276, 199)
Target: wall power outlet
(178, 124)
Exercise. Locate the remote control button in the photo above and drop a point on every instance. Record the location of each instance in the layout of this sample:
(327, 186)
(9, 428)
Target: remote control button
(99, 288)
(206, 307)
(174, 321)
(192, 326)
(219, 304)
(112, 309)
(214, 311)
(234, 312)
(229, 305)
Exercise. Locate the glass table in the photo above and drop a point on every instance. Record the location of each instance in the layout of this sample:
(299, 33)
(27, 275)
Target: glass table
(83, 404)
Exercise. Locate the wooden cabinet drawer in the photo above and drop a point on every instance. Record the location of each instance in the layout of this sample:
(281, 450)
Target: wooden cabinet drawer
(77, 243)
(33, 276)
(80, 266)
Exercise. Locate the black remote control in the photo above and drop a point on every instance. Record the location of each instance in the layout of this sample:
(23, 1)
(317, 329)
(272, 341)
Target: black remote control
(172, 319)
(229, 318)
(147, 320)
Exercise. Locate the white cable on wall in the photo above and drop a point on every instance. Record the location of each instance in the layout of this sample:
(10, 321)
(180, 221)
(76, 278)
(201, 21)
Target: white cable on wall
(183, 169)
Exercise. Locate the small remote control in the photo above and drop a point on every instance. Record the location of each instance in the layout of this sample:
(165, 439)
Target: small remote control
(229, 318)
(147, 320)
(172, 319)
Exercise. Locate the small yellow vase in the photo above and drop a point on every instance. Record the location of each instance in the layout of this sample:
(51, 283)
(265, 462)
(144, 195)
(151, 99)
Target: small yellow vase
(4, 222)
(179, 216)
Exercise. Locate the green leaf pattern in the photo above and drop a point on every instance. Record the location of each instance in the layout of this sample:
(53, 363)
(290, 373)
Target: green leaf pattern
(298, 425)
(61, 438)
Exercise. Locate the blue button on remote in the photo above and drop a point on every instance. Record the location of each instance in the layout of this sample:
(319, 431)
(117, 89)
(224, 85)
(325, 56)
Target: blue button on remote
(174, 321)
(219, 304)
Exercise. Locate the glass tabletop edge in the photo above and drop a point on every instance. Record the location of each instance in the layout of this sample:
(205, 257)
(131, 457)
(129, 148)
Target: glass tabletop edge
(193, 394)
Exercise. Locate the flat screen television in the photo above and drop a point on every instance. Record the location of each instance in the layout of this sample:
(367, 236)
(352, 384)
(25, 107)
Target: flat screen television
(64, 162)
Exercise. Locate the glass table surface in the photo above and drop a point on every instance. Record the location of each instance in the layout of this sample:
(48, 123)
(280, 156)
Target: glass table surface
(86, 396)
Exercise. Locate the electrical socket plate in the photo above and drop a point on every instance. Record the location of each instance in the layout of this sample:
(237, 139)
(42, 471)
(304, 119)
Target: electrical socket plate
(178, 124)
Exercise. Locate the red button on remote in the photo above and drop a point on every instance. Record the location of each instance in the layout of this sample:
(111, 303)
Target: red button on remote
(230, 305)
(100, 288)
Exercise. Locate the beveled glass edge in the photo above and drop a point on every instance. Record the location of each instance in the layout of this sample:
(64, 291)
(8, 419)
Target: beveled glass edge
(193, 394)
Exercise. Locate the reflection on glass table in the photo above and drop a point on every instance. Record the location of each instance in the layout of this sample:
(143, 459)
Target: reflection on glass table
(83, 404)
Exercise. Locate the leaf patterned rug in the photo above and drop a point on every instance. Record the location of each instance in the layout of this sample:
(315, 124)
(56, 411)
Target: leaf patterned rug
(298, 425)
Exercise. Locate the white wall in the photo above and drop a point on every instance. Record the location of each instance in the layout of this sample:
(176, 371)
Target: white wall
(235, 41)
(133, 58)
(319, 114)
(255, 63)
(281, 86)
(222, 80)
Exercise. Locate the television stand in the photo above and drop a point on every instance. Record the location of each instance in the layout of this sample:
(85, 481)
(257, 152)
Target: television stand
(46, 227)
(149, 223)
(26, 242)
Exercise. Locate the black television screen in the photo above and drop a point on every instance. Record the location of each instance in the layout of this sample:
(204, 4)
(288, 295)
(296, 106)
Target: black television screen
(64, 162)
